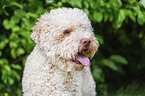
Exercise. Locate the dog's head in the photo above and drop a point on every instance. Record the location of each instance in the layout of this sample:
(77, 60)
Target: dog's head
(65, 36)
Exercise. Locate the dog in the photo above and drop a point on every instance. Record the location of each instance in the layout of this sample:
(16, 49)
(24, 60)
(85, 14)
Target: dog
(59, 65)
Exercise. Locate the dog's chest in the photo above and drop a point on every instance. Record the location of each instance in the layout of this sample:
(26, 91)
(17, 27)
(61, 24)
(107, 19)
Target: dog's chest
(67, 81)
(59, 83)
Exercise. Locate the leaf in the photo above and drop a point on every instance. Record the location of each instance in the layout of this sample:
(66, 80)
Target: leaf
(132, 1)
(118, 59)
(4, 77)
(3, 61)
(26, 24)
(14, 74)
(98, 16)
(140, 18)
(24, 61)
(86, 11)
(140, 35)
(32, 15)
(15, 29)
(13, 53)
(131, 15)
(6, 94)
(20, 51)
(13, 44)
(136, 9)
(14, 19)
(7, 68)
(111, 17)
(109, 64)
(17, 4)
(0, 53)
(6, 24)
(98, 74)
(119, 3)
(59, 4)
(4, 9)
(40, 10)
(19, 13)
(143, 3)
(14, 37)
(10, 80)
(26, 35)
(100, 39)
(105, 17)
(16, 66)
(92, 5)
(86, 4)
(121, 17)
(49, 1)
(115, 4)
(102, 3)
(1, 86)
(4, 43)
(75, 3)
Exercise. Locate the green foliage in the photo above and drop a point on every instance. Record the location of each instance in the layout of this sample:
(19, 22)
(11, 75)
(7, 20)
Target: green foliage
(132, 89)
(118, 25)
(114, 63)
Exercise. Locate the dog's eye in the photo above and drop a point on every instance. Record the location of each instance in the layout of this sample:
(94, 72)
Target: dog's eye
(66, 32)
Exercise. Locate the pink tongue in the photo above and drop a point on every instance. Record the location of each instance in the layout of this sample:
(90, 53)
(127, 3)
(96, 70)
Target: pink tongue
(83, 59)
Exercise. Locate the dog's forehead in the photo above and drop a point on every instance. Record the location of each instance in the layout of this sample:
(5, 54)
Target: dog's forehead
(68, 13)
(68, 16)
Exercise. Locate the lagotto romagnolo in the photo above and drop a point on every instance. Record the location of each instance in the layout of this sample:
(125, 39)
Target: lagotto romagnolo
(59, 65)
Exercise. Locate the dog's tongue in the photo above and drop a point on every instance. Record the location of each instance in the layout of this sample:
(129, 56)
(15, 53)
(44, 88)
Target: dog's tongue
(83, 59)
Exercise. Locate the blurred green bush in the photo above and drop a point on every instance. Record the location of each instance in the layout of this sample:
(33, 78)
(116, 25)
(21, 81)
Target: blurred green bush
(118, 25)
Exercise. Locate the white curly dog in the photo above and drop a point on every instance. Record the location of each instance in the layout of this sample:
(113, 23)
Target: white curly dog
(59, 63)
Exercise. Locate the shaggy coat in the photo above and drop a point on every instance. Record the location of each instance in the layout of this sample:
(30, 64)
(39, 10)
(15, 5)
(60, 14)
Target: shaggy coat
(59, 64)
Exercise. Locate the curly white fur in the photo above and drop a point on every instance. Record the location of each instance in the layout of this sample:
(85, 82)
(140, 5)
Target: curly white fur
(49, 69)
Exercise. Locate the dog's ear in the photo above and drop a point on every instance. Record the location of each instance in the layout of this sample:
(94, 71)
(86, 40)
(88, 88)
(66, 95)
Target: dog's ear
(95, 46)
(36, 32)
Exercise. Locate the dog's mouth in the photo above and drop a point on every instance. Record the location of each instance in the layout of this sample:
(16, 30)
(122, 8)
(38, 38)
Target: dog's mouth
(82, 59)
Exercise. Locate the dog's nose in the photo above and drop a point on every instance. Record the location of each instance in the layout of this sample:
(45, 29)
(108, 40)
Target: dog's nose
(85, 42)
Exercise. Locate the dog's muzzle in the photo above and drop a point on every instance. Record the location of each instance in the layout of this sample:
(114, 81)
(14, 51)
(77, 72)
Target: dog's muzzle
(81, 58)
(84, 45)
